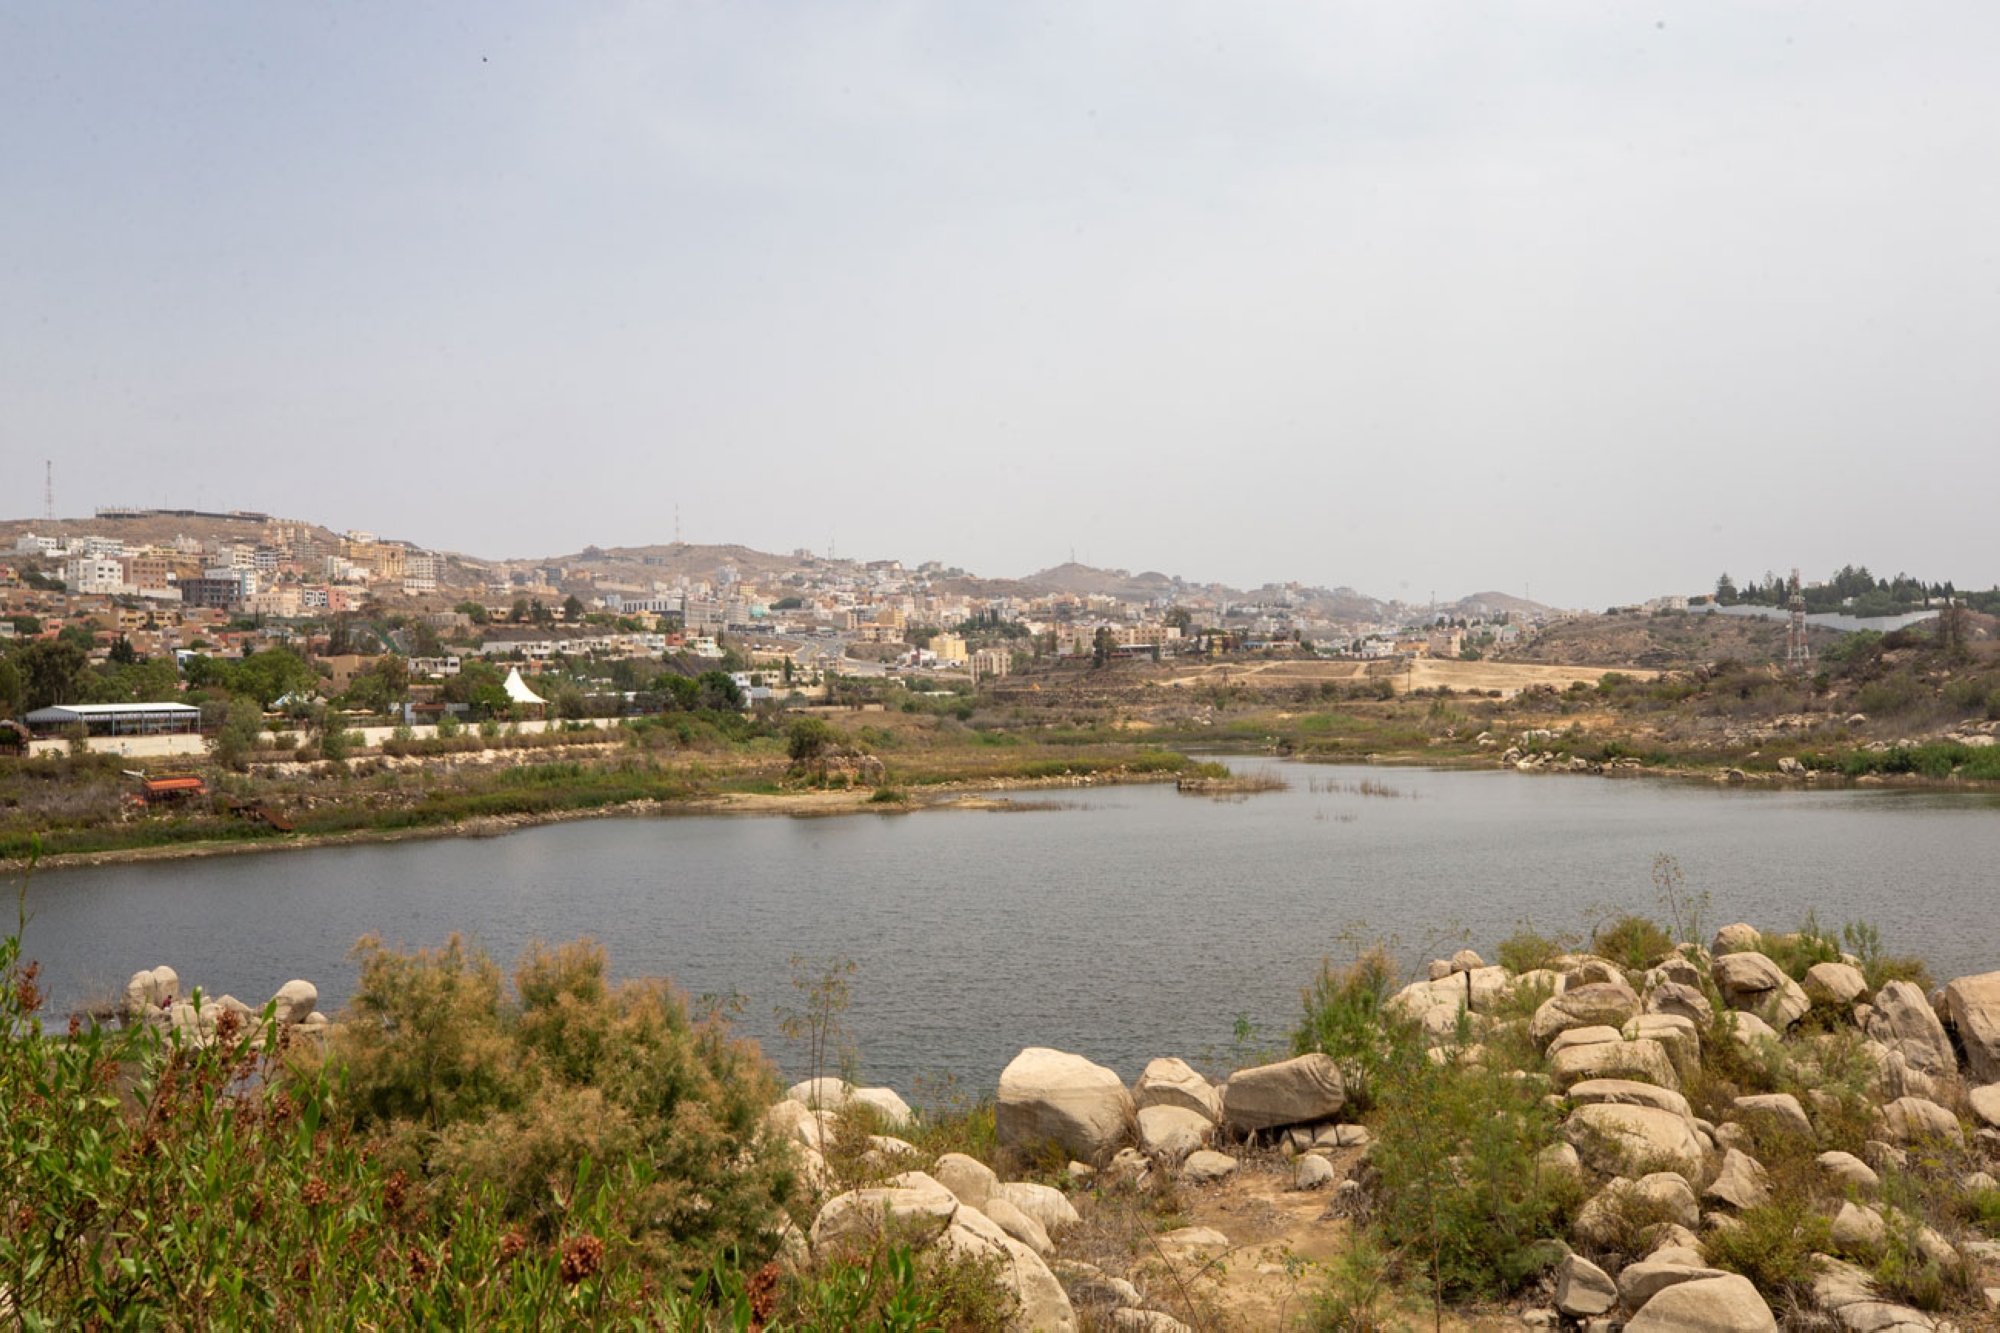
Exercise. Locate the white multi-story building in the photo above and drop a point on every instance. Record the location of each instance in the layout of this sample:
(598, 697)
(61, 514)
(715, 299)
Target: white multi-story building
(94, 574)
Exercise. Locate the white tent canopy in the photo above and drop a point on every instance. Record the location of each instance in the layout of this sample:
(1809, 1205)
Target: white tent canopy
(518, 691)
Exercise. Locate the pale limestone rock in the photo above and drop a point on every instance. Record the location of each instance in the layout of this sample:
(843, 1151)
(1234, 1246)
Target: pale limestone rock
(1973, 1004)
(1018, 1225)
(1754, 984)
(821, 1094)
(1986, 1104)
(1904, 1021)
(1465, 960)
(1172, 1082)
(1681, 1000)
(1912, 1120)
(893, 1110)
(1736, 938)
(1629, 1092)
(1048, 1095)
(1725, 1304)
(1643, 1061)
(1779, 1108)
(1573, 1037)
(1859, 1232)
(1205, 1240)
(1291, 1092)
(1749, 1031)
(968, 1178)
(1836, 984)
(1312, 1172)
(1742, 1182)
(1583, 1289)
(1596, 1004)
(923, 1213)
(1129, 1320)
(1640, 1282)
(1045, 1203)
(1662, 1194)
(1170, 1133)
(1676, 1032)
(1613, 1138)
(1849, 1171)
(1205, 1168)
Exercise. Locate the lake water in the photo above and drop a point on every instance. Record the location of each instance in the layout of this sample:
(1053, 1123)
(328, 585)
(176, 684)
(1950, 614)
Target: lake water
(1136, 922)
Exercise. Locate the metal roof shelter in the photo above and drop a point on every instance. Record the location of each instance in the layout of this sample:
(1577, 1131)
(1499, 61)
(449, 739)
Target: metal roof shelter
(116, 719)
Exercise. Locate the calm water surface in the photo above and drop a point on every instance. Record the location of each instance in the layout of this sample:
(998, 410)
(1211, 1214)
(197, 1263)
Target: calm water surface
(1138, 922)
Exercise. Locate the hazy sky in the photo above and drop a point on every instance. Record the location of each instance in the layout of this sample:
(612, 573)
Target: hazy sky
(1589, 299)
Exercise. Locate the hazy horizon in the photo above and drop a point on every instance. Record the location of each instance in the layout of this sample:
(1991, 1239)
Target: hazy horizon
(1580, 302)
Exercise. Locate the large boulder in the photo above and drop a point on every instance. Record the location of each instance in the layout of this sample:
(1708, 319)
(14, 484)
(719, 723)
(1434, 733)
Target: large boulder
(1171, 1082)
(891, 1108)
(970, 1179)
(151, 991)
(1643, 1060)
(1583, 1289)
(1754, 984)
(1737, 937)
(294, 1000)
(1640, 1282)
(1675, 997)
(1172, 1132)
(1598, 1004)
(1663, 1195)
(1974, 1006)
(1724, 1304)
(1835, 984)
(1741, 1183)
(918, 1207)
(1903, 1020)
(1615, 1138)
(1778, 1109)
(1045, 1203)
(1291, 1092)
(1676, 1032)
(821, 1094)
(1629, 1092)
(1043, 1305)
(1052, 1096)
(1914, 1120)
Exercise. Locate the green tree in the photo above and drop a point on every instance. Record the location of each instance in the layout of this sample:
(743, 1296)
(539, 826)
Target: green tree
(1101, 645)
(572, 608)
(474, 611)
(27, 626)
(808, 738)
(717, 691)
(52, 672)
(238, 736)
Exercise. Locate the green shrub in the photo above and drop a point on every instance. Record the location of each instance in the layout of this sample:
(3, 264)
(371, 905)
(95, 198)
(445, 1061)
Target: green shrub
(1774, 1247)
(1464, 1199)
(1527, 949)
(1631, 941)
(1344, 1019)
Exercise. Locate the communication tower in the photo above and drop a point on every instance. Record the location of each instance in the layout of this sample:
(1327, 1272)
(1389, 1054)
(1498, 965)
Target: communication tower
(49, 489)
(1798, 652)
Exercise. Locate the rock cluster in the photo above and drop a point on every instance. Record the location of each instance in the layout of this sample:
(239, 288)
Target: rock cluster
(154, 999)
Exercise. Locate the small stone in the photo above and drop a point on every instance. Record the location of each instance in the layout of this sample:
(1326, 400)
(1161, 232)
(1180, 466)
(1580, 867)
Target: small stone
(1312, 1172)
(1205, 1167)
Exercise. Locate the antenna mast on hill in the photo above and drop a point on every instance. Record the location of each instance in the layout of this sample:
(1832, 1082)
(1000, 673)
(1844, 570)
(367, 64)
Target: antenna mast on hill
(1798, 653)
(677, 525)
(49, 489)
